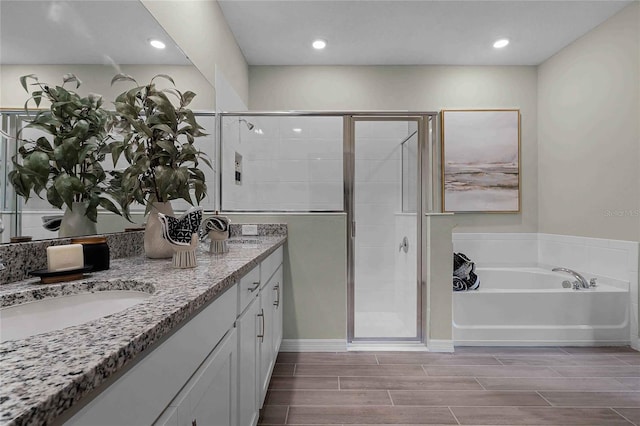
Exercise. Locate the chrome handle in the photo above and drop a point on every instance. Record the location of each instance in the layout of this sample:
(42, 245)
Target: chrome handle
(593, 282)
(404, 245)
(277, 290)
(255, 286)
(261, 335)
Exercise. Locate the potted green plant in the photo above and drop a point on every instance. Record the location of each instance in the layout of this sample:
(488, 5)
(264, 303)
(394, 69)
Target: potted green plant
(158, 144)
(66, 165)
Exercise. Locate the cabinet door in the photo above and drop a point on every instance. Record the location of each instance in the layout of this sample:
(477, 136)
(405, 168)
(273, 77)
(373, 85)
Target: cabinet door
(248, 326)
(265, 341)
(277, 291)
(210, 397)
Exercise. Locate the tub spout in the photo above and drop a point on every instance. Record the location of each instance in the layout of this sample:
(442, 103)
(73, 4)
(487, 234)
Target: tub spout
(583, 282)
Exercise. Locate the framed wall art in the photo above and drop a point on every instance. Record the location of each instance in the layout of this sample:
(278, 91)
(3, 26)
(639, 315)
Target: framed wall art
(480, 161)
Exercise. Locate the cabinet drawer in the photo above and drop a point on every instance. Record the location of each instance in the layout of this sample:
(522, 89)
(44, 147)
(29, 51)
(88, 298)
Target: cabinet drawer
(248, 288)
(270, 265)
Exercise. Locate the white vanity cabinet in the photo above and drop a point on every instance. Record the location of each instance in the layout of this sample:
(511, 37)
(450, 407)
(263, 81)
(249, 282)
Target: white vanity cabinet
(213, 371)
(259, 338)
(209, 399)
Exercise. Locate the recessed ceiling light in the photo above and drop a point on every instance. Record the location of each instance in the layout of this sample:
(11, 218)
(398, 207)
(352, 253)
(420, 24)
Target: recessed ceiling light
(297, 130)
(157, 44)
(319, 44)
(501, 43)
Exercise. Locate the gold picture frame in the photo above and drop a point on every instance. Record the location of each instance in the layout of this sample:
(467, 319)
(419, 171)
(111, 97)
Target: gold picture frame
(480, 160)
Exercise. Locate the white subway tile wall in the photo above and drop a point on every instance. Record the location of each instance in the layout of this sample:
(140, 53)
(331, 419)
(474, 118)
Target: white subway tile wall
(288, 163)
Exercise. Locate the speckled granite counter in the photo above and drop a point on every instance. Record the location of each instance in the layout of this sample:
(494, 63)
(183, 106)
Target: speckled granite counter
(43, 375)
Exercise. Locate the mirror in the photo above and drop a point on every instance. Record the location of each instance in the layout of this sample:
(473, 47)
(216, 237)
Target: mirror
(94, 40)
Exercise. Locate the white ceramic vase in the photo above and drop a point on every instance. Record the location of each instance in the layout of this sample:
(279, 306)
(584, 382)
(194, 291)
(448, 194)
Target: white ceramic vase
(155, 246)
(75, 223)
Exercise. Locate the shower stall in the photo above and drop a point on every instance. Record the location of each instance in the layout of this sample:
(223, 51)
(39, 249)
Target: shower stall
(373, 167)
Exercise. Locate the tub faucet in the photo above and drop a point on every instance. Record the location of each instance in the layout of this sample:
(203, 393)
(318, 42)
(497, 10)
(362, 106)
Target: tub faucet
(583, 282)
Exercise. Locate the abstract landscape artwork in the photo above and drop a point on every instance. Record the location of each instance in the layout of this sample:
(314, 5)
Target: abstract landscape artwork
(481, 161)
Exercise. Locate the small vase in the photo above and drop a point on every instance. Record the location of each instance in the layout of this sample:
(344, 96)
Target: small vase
(75, 223)
(155, 246)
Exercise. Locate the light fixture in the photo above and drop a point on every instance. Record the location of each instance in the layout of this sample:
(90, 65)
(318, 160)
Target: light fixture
(499, 44)
(157, 43)
(319, 44)
(297, 130)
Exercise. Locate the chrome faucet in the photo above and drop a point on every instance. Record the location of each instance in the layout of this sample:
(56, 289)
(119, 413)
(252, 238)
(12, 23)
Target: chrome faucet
(583, 282)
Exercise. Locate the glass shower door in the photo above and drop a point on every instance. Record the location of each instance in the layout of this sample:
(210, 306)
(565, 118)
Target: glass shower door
(385, 255)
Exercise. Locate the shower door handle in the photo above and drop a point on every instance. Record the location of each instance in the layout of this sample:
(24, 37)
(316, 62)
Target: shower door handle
(404, 245)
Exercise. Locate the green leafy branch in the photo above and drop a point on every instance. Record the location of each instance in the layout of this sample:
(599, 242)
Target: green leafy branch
(158, 144)
(65, 165)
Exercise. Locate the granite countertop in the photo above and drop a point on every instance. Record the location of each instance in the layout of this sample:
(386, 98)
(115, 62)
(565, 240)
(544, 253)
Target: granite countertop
(45, 374)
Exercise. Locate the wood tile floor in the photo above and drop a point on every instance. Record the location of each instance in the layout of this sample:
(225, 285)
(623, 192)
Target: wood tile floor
(597, 386)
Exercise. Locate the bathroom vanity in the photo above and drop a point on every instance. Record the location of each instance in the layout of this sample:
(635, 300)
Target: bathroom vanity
(199, 350)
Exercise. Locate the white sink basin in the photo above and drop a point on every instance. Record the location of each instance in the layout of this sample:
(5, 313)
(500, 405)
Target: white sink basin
(55, 313)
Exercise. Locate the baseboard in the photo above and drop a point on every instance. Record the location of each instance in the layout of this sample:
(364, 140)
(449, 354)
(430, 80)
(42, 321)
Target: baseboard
(434, 345)
(542, 343)
(313, 345)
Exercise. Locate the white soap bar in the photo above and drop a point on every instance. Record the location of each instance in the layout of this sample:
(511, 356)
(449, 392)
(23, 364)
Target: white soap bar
(65, 258)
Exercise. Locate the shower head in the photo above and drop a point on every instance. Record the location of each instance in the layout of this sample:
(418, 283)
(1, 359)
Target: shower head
(250, 126)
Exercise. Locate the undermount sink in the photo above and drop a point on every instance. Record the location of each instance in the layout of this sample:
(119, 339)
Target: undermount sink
(55, 313)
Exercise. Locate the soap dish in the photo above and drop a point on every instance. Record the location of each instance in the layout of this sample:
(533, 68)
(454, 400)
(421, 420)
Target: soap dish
(47, 277)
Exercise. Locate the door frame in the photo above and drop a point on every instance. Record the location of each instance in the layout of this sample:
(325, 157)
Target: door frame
(426, 122)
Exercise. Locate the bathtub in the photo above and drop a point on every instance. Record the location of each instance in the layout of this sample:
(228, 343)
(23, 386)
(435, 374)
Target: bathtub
(529, 306)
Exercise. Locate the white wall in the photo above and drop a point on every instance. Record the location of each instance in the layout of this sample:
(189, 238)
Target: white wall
(201, 31)
(589, 134)
(415, 88)
(97, 79)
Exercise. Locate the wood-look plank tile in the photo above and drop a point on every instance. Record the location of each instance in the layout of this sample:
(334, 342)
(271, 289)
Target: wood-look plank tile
(509, 350)
(631, 359)
(358, 370)
(601, 371)
(491, 371)
(631, 414)
(368, 414)
(410, 383)
(552, 384)
(437, 359)
(340, 358)
(273, 415)
(562, 360)
(593, 399)
(467, 398)
(283, 369)
(631, 383)
(292, 383)
(582, 350)
(327, 397)
(537, 416)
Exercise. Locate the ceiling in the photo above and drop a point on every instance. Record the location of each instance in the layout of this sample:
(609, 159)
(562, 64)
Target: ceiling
(400, 32)
(82, 32)
(280, 32)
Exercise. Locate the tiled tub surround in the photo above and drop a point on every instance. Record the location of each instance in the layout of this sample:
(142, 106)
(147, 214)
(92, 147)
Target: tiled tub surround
(611, 261)
(44, 375)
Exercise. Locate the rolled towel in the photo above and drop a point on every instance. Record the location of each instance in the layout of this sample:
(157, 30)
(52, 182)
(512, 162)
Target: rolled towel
(52, 223)
(216, 228)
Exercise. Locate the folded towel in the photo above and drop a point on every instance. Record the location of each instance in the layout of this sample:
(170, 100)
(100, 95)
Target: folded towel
(179, 231)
